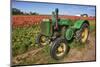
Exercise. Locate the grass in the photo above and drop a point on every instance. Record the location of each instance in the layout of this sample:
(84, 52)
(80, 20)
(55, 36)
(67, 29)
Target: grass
(92, 25)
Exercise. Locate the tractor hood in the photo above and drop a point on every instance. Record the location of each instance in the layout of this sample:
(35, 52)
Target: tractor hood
(65, 22)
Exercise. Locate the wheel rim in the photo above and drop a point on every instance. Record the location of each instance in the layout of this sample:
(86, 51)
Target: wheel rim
(61, 49)
(84, 34)
(43, 40)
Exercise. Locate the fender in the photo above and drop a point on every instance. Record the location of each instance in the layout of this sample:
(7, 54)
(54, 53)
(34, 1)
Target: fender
(79, 23)
(69, 33)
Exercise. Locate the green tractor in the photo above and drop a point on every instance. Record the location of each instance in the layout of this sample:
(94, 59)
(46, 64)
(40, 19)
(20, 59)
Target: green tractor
(59, 32)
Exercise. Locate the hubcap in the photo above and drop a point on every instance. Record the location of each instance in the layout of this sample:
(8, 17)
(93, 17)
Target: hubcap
(61, 49)
(43, 40)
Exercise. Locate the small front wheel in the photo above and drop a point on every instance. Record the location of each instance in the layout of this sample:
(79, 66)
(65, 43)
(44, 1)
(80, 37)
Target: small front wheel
(59, 48)
(41, 40)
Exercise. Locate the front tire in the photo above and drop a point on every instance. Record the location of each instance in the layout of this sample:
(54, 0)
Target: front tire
(59, 48)
(41, 40)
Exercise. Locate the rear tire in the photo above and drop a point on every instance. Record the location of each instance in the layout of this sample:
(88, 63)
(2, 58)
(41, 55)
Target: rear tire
(84, 32)
(59, 48)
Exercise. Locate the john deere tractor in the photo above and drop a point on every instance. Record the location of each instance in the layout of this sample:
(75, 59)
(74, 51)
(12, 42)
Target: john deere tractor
(58, 32)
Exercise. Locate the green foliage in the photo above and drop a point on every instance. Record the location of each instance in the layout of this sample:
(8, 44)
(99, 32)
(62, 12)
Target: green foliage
(23, 38)
(46, 50)
(77, 45)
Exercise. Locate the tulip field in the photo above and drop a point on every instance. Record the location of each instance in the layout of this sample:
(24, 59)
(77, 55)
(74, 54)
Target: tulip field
(24, 20)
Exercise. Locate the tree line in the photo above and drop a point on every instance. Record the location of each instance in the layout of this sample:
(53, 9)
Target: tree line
(16, 11)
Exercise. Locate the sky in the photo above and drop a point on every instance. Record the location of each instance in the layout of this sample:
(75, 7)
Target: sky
(47, 8)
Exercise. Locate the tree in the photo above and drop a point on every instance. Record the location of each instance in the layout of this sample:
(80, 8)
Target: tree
(33, 13)
(16, 11)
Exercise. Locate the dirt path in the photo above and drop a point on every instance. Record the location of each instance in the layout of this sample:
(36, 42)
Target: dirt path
(18, 59)
(86, 53)
(39, 56)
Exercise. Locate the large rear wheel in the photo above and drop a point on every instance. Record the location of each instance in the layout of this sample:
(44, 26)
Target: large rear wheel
(84, 33)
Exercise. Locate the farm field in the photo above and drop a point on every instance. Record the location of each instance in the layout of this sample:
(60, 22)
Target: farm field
(25, 51)
(21, 20)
